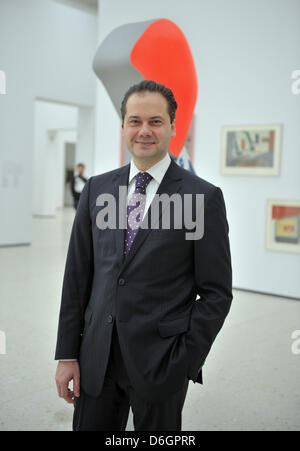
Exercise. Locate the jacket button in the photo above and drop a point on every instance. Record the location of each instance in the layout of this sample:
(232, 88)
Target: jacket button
(109, 319)
(121, 281)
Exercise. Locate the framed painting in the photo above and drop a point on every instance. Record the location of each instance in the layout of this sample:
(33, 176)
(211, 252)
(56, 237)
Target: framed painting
(283, 225)
(251, 149)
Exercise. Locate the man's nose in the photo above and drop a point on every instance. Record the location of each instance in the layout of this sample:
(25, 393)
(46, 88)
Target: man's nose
(145, 130)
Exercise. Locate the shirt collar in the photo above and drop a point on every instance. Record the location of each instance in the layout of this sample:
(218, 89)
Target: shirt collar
(157, 171)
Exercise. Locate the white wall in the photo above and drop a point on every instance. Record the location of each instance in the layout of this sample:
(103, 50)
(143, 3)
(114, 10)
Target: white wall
(245, 52)
(86, 139)
(46, 51)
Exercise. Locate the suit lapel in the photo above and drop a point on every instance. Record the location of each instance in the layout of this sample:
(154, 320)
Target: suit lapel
(120, 180)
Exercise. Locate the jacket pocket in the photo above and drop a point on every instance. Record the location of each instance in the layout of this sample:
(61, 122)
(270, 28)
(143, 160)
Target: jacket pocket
(175, 326)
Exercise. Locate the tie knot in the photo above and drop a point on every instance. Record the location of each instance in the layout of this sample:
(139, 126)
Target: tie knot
(142, 180)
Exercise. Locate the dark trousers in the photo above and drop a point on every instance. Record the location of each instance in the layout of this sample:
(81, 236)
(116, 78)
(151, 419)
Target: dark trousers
(76, 198)
(109, 412)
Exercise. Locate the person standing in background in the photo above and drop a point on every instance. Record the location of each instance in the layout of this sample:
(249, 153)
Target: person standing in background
(77, 183)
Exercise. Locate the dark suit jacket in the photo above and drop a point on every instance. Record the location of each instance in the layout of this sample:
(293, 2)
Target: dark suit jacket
(165, 333)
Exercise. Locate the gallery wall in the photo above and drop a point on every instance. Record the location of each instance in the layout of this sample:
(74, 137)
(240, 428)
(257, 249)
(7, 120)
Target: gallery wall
(245, 53)
(46, 50)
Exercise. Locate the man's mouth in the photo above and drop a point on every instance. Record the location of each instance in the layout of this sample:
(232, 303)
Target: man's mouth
(145, 143)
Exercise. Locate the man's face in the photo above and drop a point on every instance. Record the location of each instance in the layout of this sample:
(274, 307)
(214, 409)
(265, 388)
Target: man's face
(147, 128)
(80, 169)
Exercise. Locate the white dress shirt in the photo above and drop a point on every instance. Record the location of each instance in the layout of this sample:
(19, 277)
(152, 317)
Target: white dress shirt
(79, 184)
(157, 172)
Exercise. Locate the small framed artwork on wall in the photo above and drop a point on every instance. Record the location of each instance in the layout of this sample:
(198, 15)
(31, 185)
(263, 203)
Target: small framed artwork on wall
(251, 149)
(283, 225)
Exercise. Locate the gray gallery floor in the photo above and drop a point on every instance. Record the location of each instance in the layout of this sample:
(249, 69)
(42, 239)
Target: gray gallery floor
(251, 377)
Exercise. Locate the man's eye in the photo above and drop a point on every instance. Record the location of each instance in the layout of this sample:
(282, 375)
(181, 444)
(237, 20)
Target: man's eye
(156, 122)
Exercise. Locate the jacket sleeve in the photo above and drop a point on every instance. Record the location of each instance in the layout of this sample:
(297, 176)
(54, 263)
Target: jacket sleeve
(213, 276)
(77, 282)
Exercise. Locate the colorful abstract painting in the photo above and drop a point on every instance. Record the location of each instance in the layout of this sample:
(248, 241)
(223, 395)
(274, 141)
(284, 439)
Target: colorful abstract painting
(251, 149)
(283, 225)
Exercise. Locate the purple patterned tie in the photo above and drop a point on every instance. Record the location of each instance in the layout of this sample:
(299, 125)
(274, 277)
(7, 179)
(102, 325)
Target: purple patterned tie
(137, 200)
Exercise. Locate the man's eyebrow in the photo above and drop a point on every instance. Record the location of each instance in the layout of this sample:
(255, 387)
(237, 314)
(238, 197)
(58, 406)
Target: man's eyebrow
(152, 117)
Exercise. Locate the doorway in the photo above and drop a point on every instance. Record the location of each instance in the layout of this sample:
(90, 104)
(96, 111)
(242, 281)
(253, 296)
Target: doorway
(70, 161)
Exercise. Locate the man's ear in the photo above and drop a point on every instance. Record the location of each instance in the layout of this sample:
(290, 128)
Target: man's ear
(173, 130)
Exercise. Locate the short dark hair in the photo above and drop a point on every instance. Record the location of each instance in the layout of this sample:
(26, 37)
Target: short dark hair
(151, 86)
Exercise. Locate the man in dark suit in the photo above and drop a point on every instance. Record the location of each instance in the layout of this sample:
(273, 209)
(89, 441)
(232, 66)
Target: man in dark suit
(130, 323)
(77, 184)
